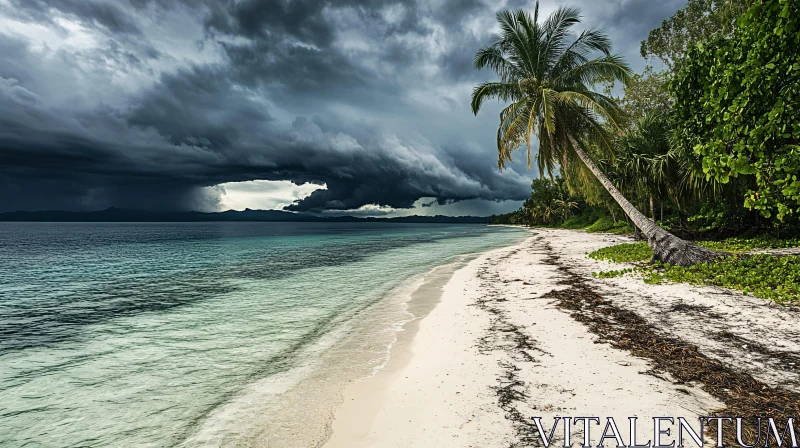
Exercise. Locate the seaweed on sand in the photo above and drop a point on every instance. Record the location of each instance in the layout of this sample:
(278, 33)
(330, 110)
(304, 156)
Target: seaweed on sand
(743, 395)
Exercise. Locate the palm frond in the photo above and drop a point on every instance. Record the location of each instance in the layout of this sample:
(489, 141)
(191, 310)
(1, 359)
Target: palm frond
(501, 90)
(557, 29)
(512, 131)
(588, 73)
(600, 106)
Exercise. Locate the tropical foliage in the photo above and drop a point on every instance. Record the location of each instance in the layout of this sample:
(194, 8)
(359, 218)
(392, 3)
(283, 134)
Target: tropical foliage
(694, 23)
(647, 92)
(550, 202)
(623, 253)
(738, 106)
(763, 275)
(708, 148)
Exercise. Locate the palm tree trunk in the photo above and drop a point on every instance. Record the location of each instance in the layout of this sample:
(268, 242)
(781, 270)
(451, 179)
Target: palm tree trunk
(667, 247)
(652, 208)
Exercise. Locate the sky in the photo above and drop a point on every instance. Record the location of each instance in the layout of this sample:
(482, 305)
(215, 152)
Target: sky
(348, 106)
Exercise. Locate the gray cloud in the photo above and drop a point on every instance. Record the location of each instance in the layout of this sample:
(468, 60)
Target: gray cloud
(91, 13)
(149, 103)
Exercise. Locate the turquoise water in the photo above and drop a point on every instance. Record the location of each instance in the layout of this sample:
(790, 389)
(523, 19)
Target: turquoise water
(200, 333)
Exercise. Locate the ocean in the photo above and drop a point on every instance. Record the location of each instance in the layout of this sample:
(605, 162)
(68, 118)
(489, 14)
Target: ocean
(203, 334)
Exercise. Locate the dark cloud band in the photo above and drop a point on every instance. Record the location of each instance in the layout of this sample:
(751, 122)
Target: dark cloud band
(368, 97)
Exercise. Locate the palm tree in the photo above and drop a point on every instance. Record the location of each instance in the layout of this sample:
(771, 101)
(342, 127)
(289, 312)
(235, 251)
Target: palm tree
(648, 159)
(563, 207)
(644, 159)
(549, 82)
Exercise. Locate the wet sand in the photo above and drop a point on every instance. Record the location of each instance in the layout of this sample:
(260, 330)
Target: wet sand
(495, 344)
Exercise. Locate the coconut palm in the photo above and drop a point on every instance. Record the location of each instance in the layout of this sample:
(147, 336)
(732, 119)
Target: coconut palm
(644, 159)
(548, 82)
(563, 207)
(647, 158)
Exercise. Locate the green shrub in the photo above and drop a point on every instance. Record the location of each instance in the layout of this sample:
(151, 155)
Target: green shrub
(736, 102)
(621, 228)
(575, 222)
(601, 225)
(607, 225)
(586, 218)
(624, 253)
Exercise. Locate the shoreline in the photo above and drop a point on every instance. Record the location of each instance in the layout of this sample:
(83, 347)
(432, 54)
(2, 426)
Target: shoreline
(366, 398)
(296, 407)
(367, 392)
(506, 342)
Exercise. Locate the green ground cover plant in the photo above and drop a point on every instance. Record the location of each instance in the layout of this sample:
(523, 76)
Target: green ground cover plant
(623, 253)
(613, 273)
(775, 278)
(747, 244)
(765, 276)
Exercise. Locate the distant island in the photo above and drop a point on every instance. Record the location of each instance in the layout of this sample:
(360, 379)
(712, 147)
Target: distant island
(113, 214)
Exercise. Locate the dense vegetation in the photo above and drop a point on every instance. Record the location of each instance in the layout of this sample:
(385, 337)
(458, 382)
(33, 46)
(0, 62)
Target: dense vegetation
(707, 148)
(766, 276)
(553, 85)
(738, 107)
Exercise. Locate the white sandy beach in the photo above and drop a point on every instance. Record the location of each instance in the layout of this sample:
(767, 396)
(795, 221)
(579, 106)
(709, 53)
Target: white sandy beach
(487, 352)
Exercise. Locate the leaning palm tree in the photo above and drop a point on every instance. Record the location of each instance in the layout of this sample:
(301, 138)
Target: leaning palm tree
(548, 82)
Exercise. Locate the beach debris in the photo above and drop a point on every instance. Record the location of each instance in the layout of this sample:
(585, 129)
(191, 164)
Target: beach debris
(511, 391)
(624, 329)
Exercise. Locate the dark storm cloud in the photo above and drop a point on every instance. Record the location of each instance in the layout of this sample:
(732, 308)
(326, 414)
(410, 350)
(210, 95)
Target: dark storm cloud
(300, 19)
(628, 22)
(219, 117)
(158, 101)
(297, 69)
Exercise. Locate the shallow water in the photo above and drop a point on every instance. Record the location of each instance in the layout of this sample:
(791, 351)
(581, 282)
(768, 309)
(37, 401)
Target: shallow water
(115, 334)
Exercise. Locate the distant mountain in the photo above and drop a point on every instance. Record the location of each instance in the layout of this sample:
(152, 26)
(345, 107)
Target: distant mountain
(120, 215)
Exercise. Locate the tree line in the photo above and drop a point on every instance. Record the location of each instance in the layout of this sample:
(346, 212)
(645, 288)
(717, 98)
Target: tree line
(709, 143)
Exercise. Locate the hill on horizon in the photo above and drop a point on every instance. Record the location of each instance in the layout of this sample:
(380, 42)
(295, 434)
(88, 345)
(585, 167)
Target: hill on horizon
(113, 214)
